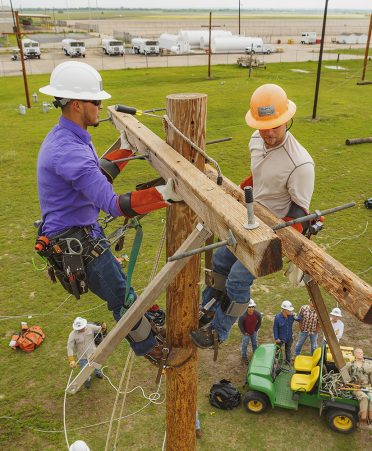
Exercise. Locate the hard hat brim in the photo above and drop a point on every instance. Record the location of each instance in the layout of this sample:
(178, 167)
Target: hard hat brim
(267, 123)
(50, 91)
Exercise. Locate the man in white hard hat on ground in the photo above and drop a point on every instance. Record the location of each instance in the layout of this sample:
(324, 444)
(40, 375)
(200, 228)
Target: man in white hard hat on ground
(283, 328)
(80, 345)
(249, 325)
(282, 177)
(74, 186)
(335, 316)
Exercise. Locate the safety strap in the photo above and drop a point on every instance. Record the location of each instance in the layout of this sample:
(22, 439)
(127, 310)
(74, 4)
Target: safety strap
(133, 258)
(142, 331)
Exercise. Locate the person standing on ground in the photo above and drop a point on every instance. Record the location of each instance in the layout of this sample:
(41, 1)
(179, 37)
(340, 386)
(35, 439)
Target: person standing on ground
(282, 177)
(249, 324)
(74, 186)
(80, 345)
(283, 328)
(309, 328)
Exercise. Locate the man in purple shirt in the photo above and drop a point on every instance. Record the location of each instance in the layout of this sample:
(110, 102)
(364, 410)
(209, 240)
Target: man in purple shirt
(74, 185)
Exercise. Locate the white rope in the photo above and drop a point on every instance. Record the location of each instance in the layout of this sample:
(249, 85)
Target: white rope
(353, 237)
(64, 410)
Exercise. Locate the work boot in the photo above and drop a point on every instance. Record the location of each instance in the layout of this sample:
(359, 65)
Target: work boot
(88, 383)
(99, 375)
(204, 337)
(199, 433)
(161, 355)
(245, 360)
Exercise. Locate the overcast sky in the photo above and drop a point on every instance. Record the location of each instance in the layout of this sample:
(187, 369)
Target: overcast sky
(205, 4)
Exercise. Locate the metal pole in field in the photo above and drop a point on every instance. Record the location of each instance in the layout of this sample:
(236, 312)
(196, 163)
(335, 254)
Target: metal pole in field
(320, 60)
(209, 44)
(188, 113)
(239, 18)
(367, 49)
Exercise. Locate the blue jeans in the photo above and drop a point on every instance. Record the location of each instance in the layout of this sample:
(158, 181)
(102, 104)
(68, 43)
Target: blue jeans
(238, 289)
(301, 340)
(245, 343)
(106, 280)
(84, 362)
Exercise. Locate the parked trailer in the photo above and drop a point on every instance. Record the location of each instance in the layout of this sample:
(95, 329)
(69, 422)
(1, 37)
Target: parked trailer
(193, 37)
(145, 47)
(111, 46)
(173, 43)
(73, 48)
(31, 48)
(233, 44)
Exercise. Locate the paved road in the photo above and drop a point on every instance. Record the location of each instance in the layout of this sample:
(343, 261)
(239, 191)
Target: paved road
(52, 56)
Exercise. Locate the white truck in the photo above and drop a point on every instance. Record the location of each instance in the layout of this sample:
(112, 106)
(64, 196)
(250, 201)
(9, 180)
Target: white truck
(110, 46)
(145, 47)
(72, 48)
(308, 37)
(31, 49)
(260, 48)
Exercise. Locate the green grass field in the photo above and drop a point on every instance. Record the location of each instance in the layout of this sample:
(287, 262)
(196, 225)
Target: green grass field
(32, 385)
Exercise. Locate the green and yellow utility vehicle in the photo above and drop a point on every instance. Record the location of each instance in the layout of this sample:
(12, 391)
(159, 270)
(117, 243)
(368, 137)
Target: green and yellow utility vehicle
(313, 381)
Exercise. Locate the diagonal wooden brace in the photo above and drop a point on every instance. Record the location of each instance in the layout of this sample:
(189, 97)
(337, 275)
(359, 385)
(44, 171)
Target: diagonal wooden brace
(323, 316)
(139, 308)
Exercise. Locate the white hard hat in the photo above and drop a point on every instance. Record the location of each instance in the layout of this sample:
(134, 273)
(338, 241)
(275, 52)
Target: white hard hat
(75, 80)
(79, 445)
(251, 303)
(287, 305)
(336, 312)
(79, 323)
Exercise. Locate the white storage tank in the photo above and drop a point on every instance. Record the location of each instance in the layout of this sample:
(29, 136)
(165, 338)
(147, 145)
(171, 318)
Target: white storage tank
(233, 44)
(204, 40)
(167, 40)
(193, 37)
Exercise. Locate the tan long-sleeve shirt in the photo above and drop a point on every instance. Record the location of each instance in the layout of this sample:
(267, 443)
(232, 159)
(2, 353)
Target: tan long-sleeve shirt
(82, 343)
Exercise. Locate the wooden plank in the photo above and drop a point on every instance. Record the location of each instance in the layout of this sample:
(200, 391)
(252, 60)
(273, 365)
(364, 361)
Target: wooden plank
(326, 325)
(188, 112)
(138, 309)
(353, 293)
(259, 250)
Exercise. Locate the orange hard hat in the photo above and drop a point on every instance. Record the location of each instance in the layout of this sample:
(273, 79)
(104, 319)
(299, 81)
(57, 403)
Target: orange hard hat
(269, 108)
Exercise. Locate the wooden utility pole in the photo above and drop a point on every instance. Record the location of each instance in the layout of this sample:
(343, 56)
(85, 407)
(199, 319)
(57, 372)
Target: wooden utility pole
(239, 19)
(188, 112)
(320, 60)
(19, 42)
(367, 49)
(210, 42)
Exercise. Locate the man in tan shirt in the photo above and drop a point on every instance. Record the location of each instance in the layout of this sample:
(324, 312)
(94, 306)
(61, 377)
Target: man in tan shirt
(80, 345)
(282, 177)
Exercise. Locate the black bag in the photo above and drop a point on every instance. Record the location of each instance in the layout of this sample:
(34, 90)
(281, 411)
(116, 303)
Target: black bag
(99, 336)
(224, 395)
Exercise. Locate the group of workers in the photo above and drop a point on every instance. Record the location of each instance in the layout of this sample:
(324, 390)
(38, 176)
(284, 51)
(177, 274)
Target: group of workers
(309, 327)
(75, 185)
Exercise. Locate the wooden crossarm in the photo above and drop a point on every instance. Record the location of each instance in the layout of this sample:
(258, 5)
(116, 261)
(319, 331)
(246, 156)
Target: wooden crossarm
(259, 250)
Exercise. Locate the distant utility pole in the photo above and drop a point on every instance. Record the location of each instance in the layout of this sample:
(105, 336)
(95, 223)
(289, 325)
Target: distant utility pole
(210, 42)
(239, 18)
(320, 60)
(367, 49)
(17, 32)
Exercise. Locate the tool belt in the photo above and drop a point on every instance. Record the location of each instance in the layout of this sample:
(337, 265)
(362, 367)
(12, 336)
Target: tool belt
(68, 255)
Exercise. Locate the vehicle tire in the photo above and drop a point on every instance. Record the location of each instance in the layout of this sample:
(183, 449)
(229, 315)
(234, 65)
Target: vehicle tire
(83, 56)
(341, 421)
(38, 57)
(255, 402)
(268, 52)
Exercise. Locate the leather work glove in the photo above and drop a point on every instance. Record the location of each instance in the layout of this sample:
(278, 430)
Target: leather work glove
(103, 326)
(295, 275)
(72, 361)
(125, 144)
(168, 193)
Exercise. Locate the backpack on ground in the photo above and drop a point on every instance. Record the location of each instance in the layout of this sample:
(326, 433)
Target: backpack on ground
(224, 395)
(28, 339)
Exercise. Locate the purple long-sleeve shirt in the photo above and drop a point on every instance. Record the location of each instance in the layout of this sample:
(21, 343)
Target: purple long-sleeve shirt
(72, 189)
